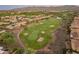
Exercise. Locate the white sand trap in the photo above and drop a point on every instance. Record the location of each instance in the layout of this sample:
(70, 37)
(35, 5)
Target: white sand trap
(40, 39)
(58, 17)
(40, 23)
(51, 25)
(43, 32)
(25, 34)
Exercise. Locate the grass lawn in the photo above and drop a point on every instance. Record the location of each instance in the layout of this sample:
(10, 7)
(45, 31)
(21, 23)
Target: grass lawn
(31, 34)
(8, 40)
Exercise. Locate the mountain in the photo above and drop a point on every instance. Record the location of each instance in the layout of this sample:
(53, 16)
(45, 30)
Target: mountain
(48, 8)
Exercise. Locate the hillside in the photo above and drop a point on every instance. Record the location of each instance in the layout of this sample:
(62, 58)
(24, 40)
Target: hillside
(48, 8)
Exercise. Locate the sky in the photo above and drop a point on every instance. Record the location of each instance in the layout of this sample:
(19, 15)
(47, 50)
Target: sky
(11, 4)
(7, 7)
(39, 2)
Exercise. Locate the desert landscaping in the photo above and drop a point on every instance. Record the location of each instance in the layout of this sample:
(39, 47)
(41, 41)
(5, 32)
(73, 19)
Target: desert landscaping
(39, 31)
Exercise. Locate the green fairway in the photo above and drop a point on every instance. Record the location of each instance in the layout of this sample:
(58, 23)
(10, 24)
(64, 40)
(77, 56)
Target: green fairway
(37, 35)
